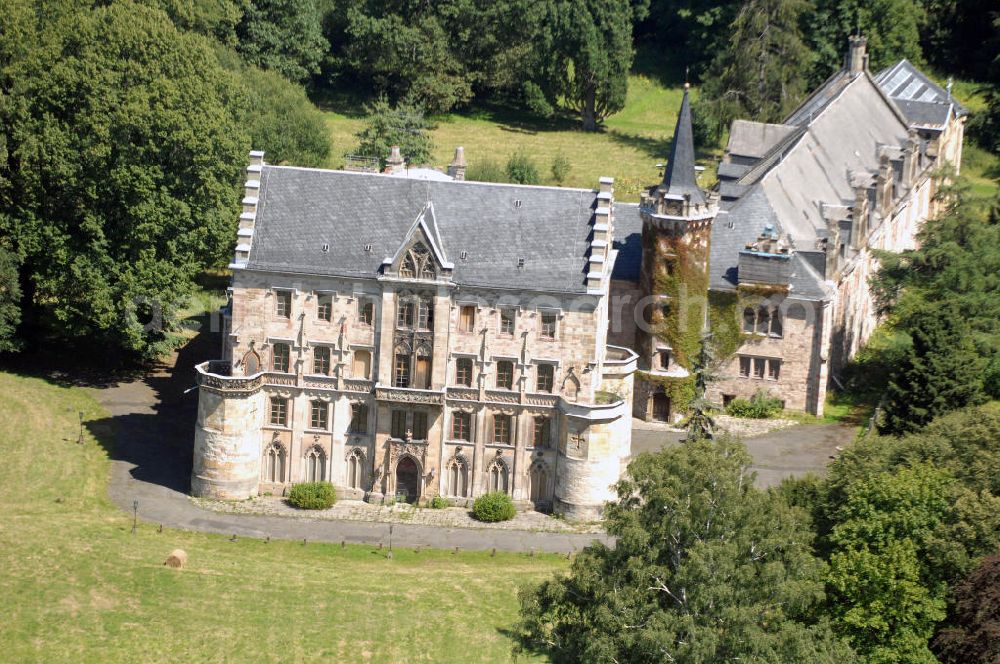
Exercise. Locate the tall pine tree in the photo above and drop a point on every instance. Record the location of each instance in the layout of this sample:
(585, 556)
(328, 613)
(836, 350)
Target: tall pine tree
(763, 71)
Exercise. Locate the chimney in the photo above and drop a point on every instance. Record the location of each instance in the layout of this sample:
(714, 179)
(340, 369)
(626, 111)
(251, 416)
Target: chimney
(603, 235)
(857, 54)
(911, 158)
(395, 162)
(883, 187)
(248, 214)
(456, 169)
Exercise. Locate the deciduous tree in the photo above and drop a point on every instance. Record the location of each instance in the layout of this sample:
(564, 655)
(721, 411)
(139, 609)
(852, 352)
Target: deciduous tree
(283, 35)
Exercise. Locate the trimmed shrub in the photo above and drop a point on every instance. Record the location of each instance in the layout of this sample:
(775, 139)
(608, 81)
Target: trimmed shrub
(312, 496)
(760, 406)
(494, 506)
(439, 503)
(522, 170)
(561, 167)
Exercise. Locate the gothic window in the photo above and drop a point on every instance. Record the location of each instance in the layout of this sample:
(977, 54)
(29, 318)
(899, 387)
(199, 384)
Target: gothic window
(355, 469)
(548, 326)
(321, 360)
(762, 320)
(366, 311)
(538, 478)
(507, 321)
(251, 363)
(461, 426)
(398, 425)
(419, 426)
(502, 429)
(467, 318)
(777, 328)
(283, 304)
(319, 414)
(279, 411)
(749, 320)
(498, 476)
(664, 359)
(315, 465)
(359, 418)
(545, 377)
(324, 307)
(463, 371)
(281, 357)
(541, 431)
(417, 264)
(401, 369)
(458, 478)
(505, 375)
(274, 463)
(362, 364)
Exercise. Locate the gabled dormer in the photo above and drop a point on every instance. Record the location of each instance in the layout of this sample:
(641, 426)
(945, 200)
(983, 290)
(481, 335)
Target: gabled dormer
(420, 255)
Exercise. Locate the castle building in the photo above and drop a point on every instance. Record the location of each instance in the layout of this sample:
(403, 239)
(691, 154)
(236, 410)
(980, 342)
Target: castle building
(410, 336)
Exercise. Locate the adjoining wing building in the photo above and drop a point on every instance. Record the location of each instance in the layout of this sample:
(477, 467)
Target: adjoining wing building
(417, 336)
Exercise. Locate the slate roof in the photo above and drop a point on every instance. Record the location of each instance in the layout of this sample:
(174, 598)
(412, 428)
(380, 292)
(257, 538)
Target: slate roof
(755, 139)
(924, 102)
(301, 209)
(679, 177)
(628, 242)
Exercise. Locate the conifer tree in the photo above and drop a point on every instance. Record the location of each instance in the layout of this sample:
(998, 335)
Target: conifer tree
(762, 72)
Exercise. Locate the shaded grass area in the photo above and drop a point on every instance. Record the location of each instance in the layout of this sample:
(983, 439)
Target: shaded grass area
(80, 587)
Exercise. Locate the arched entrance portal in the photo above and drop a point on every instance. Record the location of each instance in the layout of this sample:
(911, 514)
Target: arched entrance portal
(407, 480)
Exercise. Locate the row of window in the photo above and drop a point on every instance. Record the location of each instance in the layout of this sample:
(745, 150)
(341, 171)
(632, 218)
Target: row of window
(415, 311)
(762, 320)
(319, 415)
(760, 367)
(274, 465)
(504, 377)
(502, 430)
(281, 354)
(324, 307)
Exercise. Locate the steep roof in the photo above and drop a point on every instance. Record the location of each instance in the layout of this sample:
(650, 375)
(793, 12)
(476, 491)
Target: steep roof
(679, 176)
(493, 225)
(755, 139)
(628, 242)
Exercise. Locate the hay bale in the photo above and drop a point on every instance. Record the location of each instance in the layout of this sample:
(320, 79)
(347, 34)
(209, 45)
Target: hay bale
(177, 559)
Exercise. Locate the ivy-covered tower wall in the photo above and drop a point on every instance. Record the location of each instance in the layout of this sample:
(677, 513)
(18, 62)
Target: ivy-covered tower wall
(677, 221)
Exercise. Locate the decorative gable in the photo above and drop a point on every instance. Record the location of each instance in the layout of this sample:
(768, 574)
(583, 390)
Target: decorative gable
(421, 253)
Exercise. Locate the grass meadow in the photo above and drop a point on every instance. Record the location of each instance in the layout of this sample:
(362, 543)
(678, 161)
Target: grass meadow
(77, 586)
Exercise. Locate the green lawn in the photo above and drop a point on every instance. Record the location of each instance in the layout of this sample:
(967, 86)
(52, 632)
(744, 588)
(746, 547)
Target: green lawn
(77, 586)
(628, 148)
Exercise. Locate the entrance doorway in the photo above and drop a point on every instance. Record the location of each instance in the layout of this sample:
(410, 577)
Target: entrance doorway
(661, 407)
(407, 480)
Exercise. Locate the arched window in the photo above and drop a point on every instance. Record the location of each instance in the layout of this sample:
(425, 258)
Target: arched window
(763, 321)
(458, 478)
(355, 469)
(749, 320)
(776, 325)
(539, 480)
(315, 464)
(498, 476)
(251, 363)
(274, 463)
(417, 263)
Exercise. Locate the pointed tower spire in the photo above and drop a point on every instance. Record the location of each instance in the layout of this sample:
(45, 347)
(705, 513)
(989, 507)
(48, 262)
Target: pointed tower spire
(679, 178)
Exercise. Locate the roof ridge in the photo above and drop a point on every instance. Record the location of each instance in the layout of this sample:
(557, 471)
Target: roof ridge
(514, 185)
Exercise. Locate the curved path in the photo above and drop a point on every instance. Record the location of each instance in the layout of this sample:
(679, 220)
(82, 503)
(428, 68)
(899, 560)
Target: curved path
(153, 421)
